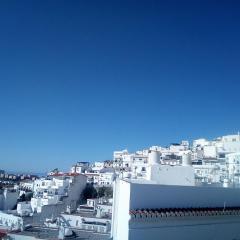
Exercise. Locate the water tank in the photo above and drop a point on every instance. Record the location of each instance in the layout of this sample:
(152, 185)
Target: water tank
(153, 157)
(186, 159)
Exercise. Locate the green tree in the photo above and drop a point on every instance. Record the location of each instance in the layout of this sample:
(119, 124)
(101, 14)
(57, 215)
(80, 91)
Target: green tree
(101, 192)
(109, 192)
(28, 196)
(22, 198)
(105, 192)
(89, 192)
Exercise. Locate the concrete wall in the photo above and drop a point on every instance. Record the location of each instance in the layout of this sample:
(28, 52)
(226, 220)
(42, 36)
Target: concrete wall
(120, 210)
(1, 201)
(171, 175)
(75, 190)
(182, 229)
(131, 196)
(76, 221)
(48, 211)
(8, 199)
(163, 196)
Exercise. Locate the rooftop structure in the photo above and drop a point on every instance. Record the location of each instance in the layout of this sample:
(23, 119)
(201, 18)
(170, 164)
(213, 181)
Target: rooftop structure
(146, 210)
(34, 233)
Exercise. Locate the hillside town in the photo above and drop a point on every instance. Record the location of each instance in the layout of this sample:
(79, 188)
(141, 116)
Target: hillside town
(83, 203)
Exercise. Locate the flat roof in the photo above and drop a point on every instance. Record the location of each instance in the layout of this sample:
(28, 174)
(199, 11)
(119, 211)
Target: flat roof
(48, 233)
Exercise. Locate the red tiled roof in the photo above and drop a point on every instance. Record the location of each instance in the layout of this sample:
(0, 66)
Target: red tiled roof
(183, 212)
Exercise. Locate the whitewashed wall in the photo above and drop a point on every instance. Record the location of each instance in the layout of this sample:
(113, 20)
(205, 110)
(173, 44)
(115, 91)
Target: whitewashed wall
(130, 196)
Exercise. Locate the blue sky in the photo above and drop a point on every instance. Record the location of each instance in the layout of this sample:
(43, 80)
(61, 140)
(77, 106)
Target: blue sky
(80, 79)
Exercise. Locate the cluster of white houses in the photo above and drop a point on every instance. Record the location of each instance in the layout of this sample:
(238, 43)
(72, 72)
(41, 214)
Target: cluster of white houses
(214, 162)
(57, 197)
(169, 203)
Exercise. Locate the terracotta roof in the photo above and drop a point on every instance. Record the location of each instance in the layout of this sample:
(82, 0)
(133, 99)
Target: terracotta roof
(183, 212)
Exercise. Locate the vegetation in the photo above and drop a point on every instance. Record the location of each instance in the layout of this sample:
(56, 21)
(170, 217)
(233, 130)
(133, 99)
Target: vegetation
(105, 192)
(91, 192)
(25, 197)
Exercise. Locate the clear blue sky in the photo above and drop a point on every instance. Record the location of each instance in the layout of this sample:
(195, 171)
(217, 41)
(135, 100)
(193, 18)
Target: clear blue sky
(80, 79)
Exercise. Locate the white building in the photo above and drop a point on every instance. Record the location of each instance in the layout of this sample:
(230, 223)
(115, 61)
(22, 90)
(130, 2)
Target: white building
(210, 151)
(208, 173)
(80, 167)
(233, 167)
(219, 146)
(231, 143)
(201, 142)
(97, 167)
(58, 189)
(26, 185)
(176, 148)
(86, 218)
(92, 177)
(24, 209)
(102, 207)
(118, 155)
(169, 199)
(106, 177)
(118, 158)
(170, 175)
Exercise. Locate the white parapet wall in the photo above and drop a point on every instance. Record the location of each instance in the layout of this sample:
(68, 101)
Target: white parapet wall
(171, 175)
(134, 195)
(121, 206)
(95, 224)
